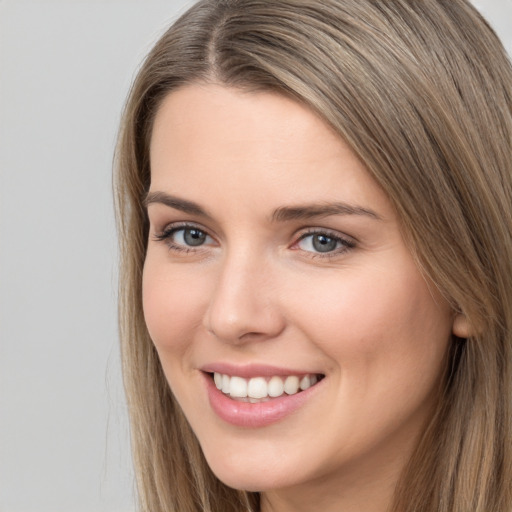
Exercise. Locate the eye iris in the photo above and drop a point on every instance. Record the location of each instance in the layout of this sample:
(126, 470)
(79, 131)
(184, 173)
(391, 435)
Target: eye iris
(323, 243)
(194, 237)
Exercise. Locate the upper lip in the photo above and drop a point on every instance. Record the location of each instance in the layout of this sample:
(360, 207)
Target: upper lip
(253, 370)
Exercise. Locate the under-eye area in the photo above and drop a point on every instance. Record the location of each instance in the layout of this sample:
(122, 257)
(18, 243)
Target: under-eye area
(263, 389)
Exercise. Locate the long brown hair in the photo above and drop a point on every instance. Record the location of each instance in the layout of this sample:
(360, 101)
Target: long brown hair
(422, 92)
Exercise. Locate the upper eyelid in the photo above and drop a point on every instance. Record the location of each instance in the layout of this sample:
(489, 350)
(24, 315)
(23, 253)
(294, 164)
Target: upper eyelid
(326, 231)
(302, 232)
(175, 226)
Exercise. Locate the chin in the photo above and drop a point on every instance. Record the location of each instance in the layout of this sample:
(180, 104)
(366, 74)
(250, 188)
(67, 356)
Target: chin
(252, 481)
(251, 474)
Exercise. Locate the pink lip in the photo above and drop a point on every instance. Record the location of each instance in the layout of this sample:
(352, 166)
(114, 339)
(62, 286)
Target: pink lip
(252, 370)
(245, 414)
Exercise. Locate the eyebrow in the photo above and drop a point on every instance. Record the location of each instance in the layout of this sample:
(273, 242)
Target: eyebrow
(282, 214)
(304, 212)
(174, 202)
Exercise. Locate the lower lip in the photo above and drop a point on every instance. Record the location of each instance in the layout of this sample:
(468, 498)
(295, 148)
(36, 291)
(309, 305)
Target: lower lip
(261, 414)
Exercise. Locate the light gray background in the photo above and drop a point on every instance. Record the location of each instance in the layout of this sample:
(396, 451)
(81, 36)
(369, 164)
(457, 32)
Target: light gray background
(65, 68)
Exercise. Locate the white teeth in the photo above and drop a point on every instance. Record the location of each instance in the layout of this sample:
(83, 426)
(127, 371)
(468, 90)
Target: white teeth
(217, 377)
(291, 385)
(225, 384)
(305, 383)
(275, 387)
(258, 389)
(238, 387)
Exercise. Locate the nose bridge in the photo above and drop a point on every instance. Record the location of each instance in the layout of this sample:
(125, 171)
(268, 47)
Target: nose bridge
(243, 304)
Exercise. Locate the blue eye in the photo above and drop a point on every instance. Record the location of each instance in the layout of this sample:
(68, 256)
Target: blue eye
(184, 238)
(189, 236)
(323, 243)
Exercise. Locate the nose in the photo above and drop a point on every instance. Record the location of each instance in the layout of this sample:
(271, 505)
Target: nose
(244, 304)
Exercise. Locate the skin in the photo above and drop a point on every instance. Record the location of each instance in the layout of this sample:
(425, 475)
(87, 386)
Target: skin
(257, 291)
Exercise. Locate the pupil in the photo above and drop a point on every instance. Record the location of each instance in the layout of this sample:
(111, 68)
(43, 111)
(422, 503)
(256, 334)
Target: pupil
(194, 237)
(323, 243)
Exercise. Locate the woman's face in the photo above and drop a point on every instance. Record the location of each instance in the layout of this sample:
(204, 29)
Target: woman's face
(274, 259)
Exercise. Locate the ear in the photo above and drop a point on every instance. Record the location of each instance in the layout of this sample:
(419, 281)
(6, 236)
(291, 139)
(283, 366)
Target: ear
(460, 327)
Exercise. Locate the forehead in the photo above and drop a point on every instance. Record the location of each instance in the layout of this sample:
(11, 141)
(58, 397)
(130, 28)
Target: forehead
(206, 115)
(221, 142)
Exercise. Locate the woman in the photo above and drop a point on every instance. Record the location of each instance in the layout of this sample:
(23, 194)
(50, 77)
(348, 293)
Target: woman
(314, 202)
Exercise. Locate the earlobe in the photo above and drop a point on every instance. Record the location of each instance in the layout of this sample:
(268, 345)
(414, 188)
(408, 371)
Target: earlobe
(460, 326)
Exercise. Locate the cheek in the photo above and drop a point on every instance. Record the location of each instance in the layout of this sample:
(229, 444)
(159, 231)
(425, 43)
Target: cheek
(383, 325)
(386, 338)
(173, 309)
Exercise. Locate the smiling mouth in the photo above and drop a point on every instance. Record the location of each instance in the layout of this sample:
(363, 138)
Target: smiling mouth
(263, 389)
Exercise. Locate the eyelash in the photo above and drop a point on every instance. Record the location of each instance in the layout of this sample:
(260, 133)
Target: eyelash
(166, 237)
(346, 243)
